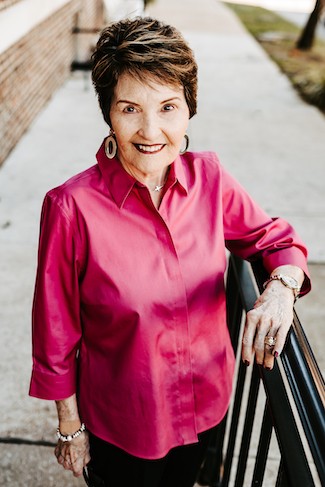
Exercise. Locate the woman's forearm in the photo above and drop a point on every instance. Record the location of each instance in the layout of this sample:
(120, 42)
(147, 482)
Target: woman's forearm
(68, 415)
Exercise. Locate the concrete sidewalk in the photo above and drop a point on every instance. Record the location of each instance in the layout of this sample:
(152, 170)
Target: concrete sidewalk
(264, 134)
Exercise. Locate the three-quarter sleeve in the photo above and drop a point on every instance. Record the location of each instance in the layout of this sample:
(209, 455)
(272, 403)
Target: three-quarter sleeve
(251, 234)
(56, 315)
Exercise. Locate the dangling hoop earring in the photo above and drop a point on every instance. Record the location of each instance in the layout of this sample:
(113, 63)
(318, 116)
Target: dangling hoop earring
(187, 141)
(110, 146)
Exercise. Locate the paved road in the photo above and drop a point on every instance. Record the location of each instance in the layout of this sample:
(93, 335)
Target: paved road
(265, 135)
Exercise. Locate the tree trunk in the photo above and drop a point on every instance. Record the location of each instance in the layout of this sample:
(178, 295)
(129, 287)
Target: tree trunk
(306, 39)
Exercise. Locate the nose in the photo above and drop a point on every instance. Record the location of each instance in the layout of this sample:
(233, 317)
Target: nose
(150, 127)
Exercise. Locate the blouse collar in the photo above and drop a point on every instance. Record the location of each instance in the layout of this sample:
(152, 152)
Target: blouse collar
(120, 183)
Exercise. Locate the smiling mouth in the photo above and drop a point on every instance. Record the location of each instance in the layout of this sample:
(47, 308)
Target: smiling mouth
(149, 149)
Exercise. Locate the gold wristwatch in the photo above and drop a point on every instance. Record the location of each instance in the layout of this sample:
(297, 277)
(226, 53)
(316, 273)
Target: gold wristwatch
(287, 281)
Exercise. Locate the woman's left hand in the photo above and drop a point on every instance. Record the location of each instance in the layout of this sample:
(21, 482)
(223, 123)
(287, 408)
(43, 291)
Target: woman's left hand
(271, 316)
(74, 455)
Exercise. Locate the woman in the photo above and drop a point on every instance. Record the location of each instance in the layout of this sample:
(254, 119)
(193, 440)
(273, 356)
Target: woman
(130, 336)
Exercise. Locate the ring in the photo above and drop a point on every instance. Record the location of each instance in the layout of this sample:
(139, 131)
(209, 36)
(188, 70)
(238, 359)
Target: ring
(270, 341)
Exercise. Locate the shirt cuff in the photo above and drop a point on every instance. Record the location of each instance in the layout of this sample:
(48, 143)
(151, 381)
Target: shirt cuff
(52, 386)
(289, 257)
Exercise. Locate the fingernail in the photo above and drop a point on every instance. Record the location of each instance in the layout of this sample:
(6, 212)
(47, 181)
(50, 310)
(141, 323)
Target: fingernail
(246, 363)
(276, 354)
(268, 368)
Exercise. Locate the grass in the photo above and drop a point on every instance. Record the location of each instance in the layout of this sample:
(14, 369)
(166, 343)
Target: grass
(278, 37)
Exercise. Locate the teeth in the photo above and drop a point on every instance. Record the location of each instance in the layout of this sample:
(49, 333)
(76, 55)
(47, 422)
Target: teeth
(150, 148)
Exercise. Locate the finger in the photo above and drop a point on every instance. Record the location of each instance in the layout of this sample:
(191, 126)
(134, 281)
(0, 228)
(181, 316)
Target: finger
(280, 342)
(268, 362)
(270, 341)
(263, 327)
(77, 467)
(60, 459)
(67, 464)
(64, 458)
(252, 319)
(77, 464)
(57, 451)
(259, 347)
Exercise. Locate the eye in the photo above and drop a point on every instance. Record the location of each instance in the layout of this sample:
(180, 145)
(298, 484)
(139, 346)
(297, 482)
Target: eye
(168, 108)
(129, 109)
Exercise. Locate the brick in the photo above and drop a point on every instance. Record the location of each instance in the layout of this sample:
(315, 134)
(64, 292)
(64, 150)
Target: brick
(38, 64)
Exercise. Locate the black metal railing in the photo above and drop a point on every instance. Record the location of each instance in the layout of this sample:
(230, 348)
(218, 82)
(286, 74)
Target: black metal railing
(293, 405)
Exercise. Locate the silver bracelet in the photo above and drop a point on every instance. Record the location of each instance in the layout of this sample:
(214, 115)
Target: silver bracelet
(65, 438)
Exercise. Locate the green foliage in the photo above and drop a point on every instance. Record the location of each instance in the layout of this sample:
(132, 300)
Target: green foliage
(258, 20)
(305, 69)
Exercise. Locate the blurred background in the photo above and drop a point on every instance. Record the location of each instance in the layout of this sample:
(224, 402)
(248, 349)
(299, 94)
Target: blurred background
(261, 107)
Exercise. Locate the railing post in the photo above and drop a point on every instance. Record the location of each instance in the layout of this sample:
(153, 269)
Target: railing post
(234, 425)
(292, 451)
(307, 398)
(263, 448)
(248, 427)
(282, 479)
(305, 385)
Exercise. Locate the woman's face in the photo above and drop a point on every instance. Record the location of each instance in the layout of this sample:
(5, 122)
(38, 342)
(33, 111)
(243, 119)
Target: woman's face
(149, 121)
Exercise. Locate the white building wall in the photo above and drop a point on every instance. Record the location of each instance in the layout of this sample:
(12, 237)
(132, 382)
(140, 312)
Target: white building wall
(119, 9)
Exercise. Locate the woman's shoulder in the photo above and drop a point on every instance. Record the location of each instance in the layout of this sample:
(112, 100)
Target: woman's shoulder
(76, 183)
(71, 194)
(203, 157)
(205, 161)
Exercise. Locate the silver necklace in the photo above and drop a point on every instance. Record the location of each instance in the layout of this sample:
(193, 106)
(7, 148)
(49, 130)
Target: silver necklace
(158, 188)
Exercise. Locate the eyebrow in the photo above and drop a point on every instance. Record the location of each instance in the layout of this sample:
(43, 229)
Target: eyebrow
(127, 101)
(171, 99)
(162, 103)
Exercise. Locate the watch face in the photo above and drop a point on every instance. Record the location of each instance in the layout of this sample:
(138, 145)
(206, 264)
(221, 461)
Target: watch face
(290, 282)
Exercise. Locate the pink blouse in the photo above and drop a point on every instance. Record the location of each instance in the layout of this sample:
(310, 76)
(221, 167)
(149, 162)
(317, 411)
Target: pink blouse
(129, 306)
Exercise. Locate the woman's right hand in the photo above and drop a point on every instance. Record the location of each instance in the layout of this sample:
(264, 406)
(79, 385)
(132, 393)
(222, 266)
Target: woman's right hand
(74, 455)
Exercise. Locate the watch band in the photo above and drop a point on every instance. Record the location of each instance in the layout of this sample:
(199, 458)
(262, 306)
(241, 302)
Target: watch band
(287, 281)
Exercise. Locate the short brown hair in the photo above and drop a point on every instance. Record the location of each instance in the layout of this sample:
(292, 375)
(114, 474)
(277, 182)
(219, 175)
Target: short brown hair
(143, 47)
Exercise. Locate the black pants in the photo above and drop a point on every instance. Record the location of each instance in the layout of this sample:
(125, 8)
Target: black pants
(116, 468)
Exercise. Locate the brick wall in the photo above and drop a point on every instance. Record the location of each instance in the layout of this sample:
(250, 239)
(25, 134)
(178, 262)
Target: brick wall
(91, 14)
(7, 3)
(35, 66)
(90, 18)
